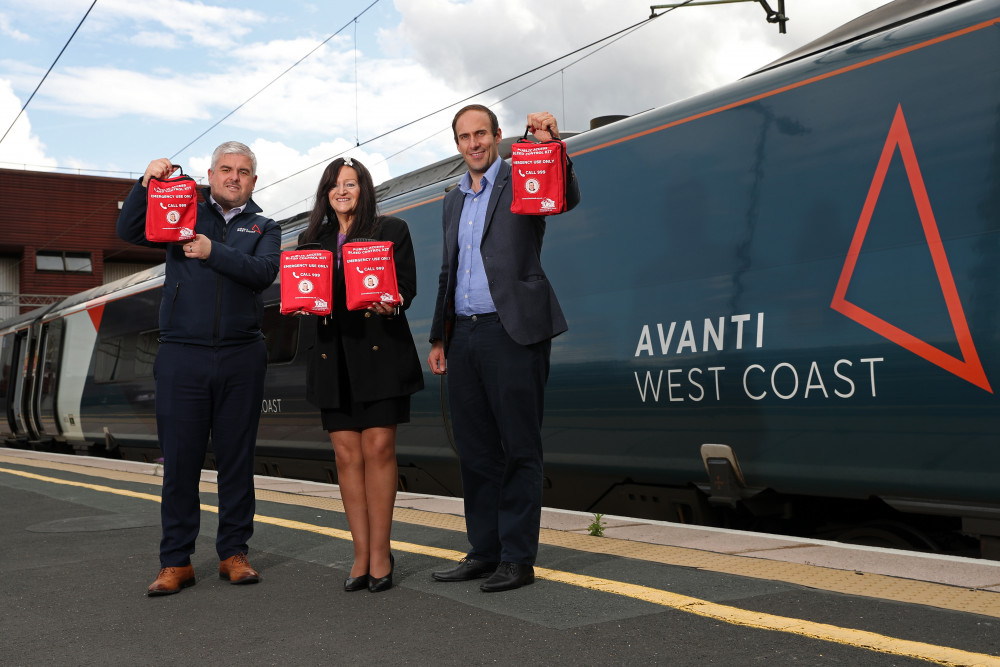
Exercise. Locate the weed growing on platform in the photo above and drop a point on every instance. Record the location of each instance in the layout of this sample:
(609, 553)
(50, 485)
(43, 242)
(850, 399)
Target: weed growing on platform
(597, 527)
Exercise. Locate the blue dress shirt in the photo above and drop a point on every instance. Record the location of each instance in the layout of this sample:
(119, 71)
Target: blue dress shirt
(472, 290)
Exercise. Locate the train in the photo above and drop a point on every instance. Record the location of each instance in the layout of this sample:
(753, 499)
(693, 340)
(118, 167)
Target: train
(783, 299)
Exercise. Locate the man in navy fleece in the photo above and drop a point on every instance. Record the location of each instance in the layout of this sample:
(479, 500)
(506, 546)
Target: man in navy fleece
(210, 367)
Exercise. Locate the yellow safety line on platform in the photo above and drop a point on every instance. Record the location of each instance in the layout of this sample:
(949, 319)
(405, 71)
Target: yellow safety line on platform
(858, 638)
(847, 582)
(821, 631)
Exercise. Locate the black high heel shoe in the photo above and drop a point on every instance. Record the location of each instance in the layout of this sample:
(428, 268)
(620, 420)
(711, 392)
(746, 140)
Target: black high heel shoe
(352, 584)
(382, 583)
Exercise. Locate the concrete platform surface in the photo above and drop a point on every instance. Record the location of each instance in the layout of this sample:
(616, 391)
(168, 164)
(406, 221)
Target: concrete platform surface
(80, 535)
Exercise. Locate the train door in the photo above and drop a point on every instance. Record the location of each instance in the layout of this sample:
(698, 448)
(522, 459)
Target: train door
(31, 383)
(19, 380)
(47, 379)
(8, 380)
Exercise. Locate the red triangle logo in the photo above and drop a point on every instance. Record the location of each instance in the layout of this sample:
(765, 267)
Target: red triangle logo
(96, 313)
(969, 368)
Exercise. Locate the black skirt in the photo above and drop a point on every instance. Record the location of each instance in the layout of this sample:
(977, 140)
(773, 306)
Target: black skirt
(359, 416)
(355, 416)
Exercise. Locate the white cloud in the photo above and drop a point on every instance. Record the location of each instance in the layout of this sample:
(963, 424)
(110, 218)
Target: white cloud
(477, 44)
(20, 147)
(7, 31)
(155, 24)
(215, 27)
(320, 97)
(159, 40)
(104, 92)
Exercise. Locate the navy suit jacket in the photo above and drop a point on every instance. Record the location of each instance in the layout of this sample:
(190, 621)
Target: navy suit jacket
(511, 251)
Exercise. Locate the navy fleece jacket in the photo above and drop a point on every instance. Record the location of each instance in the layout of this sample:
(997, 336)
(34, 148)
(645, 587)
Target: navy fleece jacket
(216, 301)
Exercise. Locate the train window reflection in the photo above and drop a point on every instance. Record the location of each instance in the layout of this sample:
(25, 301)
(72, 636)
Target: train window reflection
(50, 362)
(281, 333)
(113, 359)
(146, 347)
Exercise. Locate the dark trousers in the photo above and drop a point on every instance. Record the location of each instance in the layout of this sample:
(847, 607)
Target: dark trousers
(207, 392)
(496, 391)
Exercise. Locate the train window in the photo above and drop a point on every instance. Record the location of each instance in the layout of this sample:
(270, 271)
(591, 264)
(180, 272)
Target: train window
(53, 347)
(281, 333)
(113, 360)
(70, 262)
(146, 347)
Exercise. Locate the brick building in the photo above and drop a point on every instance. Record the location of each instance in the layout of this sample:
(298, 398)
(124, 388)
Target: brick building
(58, 237)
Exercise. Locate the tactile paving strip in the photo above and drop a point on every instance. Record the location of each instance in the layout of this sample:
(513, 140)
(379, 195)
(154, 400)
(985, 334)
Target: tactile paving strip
(879, 586)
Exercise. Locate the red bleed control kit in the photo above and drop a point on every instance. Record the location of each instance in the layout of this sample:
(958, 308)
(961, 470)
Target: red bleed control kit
(306, 282)
(539, 176)
(370, 274)
(171, 209)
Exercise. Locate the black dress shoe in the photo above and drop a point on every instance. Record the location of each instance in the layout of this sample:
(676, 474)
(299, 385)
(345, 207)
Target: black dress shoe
(382, 583)
(508, 577)
(467, 569)
(359, 583)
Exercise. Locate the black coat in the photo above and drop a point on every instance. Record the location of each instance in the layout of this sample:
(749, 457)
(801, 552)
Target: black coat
(381, 359)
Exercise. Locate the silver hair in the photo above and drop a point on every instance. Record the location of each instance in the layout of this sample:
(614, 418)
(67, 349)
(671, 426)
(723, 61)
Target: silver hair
(234, 147)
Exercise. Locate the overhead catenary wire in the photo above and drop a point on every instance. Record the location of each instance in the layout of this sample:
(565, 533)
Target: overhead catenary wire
(615, 34)
(272, 81)
(560, 71)
(61, 51)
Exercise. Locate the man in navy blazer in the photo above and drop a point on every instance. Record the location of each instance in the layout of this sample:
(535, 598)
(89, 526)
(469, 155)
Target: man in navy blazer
(495, 316)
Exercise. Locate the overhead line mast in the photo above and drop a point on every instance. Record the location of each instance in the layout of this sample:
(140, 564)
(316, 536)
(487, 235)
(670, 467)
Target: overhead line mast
(778, 17)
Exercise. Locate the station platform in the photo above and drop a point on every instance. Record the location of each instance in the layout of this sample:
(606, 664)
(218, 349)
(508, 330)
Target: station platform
(78, 547)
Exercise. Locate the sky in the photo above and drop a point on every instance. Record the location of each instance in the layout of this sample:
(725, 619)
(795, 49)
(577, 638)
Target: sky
(304, 82)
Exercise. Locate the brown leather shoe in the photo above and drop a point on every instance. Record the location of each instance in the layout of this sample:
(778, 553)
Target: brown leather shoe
(171, 580)
(237, 570)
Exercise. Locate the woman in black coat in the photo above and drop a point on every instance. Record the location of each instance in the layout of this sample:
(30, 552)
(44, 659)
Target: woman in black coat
(363, 367)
